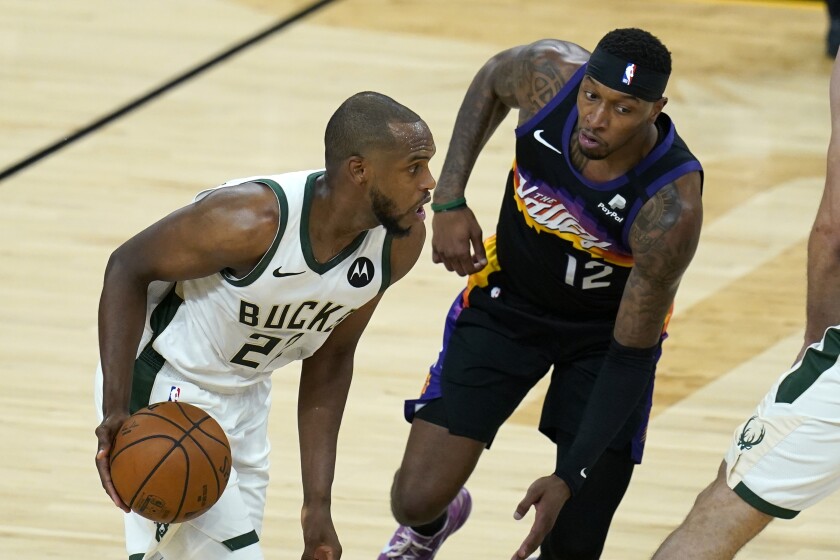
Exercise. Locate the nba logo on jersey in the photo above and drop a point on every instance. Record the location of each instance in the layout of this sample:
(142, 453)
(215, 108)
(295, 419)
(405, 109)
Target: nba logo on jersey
(174, 393)
(629, 72)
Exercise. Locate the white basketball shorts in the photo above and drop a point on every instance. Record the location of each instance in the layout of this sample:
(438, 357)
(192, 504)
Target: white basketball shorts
(786, 457)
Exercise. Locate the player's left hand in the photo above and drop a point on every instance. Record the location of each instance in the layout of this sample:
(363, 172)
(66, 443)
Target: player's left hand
(320, 540)
(105, 433)
(548, 495)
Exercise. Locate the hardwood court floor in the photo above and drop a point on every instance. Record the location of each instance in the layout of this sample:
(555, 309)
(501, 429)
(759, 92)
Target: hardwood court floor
(748, 94)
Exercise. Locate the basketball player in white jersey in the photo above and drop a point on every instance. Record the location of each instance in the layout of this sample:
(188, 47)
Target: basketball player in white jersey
(786, 456)
(202, 306)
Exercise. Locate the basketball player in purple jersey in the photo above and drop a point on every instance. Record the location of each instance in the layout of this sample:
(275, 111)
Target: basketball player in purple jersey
(600, 218)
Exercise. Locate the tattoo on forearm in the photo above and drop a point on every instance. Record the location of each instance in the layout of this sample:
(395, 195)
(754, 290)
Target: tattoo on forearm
(473, 118)
(641, 315)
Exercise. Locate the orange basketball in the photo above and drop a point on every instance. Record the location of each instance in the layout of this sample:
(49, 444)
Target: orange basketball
(170, 462)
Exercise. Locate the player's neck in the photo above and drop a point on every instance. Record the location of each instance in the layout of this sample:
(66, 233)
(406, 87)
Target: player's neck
(335, 219)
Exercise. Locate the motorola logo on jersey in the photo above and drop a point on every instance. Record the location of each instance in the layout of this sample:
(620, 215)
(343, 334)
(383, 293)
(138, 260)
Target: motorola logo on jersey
(360, 273)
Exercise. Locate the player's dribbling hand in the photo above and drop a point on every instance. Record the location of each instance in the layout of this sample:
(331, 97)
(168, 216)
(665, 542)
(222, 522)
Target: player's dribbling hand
(548, 495)
(453, 234)
(105, 433)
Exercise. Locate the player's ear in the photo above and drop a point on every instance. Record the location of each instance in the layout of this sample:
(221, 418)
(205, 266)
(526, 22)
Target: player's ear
(657, 108)
(358, 168)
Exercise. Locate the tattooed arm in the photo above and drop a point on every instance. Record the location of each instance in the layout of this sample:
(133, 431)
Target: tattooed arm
(663, 240)
(526, 78)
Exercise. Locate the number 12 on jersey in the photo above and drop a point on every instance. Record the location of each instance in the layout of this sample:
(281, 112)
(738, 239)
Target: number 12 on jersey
(591, 275)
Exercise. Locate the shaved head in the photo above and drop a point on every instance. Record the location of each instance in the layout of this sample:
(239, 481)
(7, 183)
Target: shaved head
(361, 126)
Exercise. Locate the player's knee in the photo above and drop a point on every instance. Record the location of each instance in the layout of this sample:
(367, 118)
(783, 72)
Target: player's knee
(412, 506)
(713, 495)
(413, 512)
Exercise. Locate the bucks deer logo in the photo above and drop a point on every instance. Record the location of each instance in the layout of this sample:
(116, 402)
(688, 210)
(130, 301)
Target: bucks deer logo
(751, 434)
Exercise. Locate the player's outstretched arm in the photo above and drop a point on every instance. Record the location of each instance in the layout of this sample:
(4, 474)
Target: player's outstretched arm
(230, 228)
(663, 238)
(824, 241)
(324, 385)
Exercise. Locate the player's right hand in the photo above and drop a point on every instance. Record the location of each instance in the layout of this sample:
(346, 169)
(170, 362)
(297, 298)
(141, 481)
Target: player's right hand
(547, 495)
(453, 233)
(105, 433)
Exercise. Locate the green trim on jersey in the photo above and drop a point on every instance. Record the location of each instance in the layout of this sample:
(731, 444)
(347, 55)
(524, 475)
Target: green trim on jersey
(242, 541)
(386, 263)
(281, 229)
(137, 556)
(306, 243)
(763, 505)
(148, 363)
(813, 364)
(146, 368)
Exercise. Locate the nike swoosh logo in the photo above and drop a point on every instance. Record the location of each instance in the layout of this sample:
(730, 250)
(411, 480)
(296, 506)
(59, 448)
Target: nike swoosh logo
(278, 274)
(583, 473)
(541, 140)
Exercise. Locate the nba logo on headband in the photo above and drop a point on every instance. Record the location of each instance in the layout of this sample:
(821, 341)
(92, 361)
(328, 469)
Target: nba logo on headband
(629, 72)
(618, 74)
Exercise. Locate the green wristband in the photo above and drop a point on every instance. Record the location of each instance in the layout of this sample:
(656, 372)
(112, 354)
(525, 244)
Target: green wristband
(451, 205)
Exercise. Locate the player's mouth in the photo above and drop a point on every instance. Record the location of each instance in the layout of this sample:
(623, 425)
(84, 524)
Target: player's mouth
(588, 141)
(421, 212)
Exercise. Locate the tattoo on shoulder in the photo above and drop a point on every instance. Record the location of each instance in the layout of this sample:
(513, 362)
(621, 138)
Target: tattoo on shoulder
(657, 216)
(544, 83)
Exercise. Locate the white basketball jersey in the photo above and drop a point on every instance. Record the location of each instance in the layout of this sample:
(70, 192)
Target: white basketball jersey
(227, 332)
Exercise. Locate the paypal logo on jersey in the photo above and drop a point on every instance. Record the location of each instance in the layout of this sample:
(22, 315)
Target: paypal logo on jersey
(611, 213)
(618, 202)
(360, 273)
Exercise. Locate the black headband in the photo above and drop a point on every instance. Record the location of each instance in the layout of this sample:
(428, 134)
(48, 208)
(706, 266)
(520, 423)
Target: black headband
(627, 77)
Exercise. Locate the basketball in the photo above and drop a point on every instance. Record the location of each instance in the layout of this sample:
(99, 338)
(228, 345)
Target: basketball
(170, 462)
